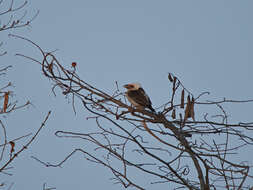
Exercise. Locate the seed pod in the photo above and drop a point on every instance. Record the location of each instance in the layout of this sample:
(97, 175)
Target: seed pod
(187, 112)
(170, 78)
(174, 83)
(50, 67)
(12, 146)
(182, 99)
(174, 114)
(6, 100)
(73, 64)
(192, 109)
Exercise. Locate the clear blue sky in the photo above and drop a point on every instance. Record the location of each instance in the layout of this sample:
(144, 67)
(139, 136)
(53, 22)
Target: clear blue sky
(208, 44)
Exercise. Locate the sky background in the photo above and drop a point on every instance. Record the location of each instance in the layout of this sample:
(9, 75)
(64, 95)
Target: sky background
(207, 44)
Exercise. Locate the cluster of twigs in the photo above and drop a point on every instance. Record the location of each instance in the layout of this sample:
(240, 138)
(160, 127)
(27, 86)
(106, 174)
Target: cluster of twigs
(189, 151)
(13, 21)
(14, 16)
(8, 147)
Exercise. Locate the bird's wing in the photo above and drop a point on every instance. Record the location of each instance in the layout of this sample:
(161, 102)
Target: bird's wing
(140, 97)
(149, 103)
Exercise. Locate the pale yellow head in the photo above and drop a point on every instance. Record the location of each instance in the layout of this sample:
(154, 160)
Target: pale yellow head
(132, 86)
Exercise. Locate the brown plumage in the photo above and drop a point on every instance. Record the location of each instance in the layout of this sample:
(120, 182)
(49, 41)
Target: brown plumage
(137, 96)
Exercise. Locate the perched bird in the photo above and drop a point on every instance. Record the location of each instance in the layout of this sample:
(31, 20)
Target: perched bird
(137, 96)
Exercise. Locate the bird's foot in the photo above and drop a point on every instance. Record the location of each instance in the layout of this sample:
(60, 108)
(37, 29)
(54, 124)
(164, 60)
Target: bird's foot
(131, 109)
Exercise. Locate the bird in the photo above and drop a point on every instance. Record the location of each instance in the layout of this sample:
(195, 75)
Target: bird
(137, 96)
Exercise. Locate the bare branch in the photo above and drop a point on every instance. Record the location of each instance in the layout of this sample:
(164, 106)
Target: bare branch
(155, 144)
(26, 145)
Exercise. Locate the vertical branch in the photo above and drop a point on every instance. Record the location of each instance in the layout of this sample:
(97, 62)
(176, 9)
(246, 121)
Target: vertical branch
(5, 140)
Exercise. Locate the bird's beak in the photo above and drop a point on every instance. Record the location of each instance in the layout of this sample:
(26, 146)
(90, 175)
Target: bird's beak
(127, 86)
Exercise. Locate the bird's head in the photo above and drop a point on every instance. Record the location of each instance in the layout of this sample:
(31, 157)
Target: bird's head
(132, 86)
